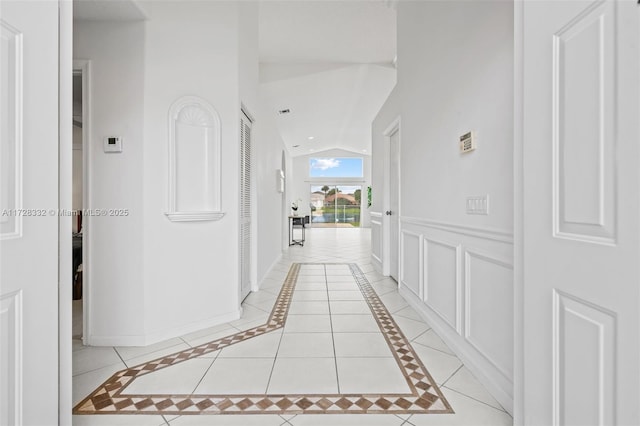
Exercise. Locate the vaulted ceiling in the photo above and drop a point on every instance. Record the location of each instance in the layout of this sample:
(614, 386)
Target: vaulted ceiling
(329, 62)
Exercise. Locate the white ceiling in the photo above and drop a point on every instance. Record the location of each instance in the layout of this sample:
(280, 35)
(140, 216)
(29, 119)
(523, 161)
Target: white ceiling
(330, 63)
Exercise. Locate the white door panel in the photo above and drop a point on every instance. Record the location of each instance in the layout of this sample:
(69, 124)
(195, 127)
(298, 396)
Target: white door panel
(394, 205)
(581, 217)
(29, 225)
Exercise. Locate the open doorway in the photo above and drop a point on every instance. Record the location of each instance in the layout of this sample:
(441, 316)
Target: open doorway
(79, 201)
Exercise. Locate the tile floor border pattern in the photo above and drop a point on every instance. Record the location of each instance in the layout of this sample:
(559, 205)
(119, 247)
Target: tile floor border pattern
(425, 396)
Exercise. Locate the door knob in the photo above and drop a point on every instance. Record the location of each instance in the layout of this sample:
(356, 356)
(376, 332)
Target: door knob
(388, 212)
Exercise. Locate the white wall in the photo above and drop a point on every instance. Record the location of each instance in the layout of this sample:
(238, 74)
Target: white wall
(300, 183)
(115, 294)
(455, 74)
(268, 148)
(191, 268)
(153, 279)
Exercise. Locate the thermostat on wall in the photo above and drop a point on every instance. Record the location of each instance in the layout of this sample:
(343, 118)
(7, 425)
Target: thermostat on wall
(467, 142)
(112, 144)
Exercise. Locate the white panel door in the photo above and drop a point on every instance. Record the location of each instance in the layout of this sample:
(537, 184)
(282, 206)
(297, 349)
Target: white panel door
(28, 220)
(394, 202)
(581, 233)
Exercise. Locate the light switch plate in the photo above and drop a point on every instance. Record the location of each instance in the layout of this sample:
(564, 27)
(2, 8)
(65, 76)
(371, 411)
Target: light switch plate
(478, 205)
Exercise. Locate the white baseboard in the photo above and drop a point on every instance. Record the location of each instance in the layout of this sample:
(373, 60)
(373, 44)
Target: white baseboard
(481, 369)
(275, 262)
(377, 263)
(162, 335)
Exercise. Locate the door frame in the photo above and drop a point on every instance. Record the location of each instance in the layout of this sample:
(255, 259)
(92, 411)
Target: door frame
(84, 66)
(65, 161)
(253, 246)
(518, 213)
(392, 128)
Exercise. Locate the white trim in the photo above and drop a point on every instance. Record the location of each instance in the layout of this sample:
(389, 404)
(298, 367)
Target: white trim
(420, 266)
(275, 262)
(425, 296)
(376, 261)
(485, 233)
(193, 216)
(19, 131)
(480, 368)
(214, 166)
(162, 335)
(65, 195)
(15, 381)
(394, 126)
(468, 254)
(518, 216)
(84, 66)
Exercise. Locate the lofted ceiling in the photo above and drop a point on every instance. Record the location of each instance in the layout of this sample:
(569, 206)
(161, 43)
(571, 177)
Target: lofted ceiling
(331, 64)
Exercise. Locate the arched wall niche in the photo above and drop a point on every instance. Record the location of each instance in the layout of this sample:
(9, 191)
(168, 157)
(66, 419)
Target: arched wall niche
(194, 161)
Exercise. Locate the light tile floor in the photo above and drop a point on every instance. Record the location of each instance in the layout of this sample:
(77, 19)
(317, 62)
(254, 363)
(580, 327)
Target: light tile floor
(329, 344)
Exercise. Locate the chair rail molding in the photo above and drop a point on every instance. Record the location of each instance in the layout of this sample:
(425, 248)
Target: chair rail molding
(486, 233)
(195, 177)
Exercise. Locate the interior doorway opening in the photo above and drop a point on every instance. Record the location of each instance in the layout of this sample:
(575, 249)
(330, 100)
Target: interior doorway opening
(80, 201)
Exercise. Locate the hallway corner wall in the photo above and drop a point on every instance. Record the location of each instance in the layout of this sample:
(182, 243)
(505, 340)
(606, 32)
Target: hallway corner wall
(268, 148)
(191, 268)
(116, 52)
(455, 75)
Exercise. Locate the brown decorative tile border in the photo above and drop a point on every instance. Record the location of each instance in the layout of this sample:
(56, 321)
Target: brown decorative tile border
(425, 396)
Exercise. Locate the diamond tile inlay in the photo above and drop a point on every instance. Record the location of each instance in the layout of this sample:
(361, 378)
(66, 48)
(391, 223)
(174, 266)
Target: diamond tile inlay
(425, 396)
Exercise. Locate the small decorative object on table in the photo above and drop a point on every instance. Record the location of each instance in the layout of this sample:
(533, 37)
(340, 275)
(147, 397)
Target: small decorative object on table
(294, 207)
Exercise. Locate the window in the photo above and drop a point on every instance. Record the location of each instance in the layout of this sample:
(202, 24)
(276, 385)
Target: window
(349, 167)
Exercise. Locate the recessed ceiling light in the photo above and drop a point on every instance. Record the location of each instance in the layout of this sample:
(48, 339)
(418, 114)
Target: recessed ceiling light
(311, 138)
(295, 146)
(364, 150)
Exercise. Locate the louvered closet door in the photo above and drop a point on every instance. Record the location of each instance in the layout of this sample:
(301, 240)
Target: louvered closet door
(245, 205)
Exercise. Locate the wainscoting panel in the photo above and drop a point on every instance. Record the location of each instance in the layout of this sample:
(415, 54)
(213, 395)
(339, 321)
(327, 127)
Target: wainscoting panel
(11, 359)
(376, 240)
(584, 354)
(442, 280)
(467, 283)
(489, 308)
(411, 262)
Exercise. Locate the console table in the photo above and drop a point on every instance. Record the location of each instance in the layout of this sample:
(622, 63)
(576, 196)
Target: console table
(296, 222)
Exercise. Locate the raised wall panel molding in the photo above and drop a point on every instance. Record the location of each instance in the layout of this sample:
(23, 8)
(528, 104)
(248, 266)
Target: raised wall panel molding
(11, 128)
(376, 237)
(584, 116)
(488, 234)
(446, 278)
(194, 161)
(481, 331)
(11, 356)
(584, 362)
(411, 263)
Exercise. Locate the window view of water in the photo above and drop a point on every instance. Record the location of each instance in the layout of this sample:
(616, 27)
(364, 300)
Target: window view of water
(336, 205)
